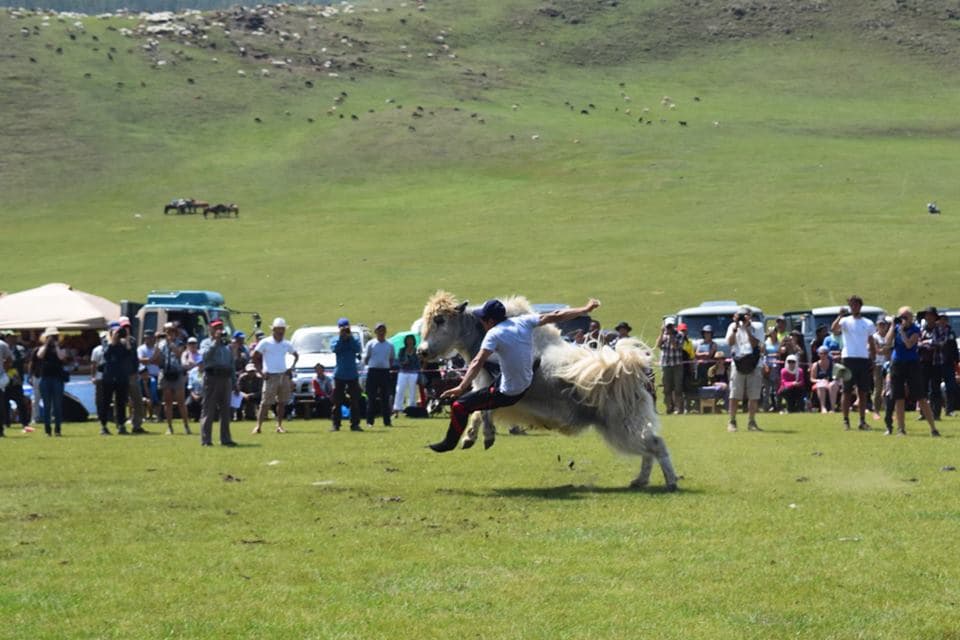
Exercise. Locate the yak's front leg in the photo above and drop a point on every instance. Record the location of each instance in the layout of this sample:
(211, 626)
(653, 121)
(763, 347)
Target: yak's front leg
(470, 433)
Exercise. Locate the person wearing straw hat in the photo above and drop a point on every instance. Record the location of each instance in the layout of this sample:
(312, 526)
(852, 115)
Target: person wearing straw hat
(52, 358)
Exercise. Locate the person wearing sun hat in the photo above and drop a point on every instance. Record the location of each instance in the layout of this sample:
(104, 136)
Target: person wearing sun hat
(52, 358)
(270, 359)
(671, 344)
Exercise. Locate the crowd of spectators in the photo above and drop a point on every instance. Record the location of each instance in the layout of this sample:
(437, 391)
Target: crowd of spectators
(856, 366)
(897, 365)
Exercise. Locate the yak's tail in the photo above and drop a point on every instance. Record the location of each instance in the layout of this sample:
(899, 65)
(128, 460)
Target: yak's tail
(614, 381)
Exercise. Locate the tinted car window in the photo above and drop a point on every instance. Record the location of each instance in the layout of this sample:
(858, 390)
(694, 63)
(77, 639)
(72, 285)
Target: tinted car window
(695, 324)
(314, 342)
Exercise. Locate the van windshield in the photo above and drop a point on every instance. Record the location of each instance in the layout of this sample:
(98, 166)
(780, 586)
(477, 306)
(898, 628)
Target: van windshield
(695, 324)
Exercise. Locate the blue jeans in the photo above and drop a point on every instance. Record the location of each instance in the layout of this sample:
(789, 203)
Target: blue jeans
(51, 392)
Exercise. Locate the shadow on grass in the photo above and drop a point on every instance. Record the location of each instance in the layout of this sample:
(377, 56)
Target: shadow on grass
(571, 492)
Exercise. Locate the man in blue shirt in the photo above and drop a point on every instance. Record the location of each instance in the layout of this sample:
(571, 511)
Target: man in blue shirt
(346, 376)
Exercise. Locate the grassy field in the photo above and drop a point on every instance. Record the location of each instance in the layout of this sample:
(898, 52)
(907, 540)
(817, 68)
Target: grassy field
(815, 134)
(801, 176)
(803, 531)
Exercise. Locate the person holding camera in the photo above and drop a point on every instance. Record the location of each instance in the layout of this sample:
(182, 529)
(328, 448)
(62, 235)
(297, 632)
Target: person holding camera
(168, 357)
(216, 362)
(117, 362)
(134, 392)
(671, 343)
(346, 377)
(52, 357)
(746, 380)
(858, 353)
(903, 339)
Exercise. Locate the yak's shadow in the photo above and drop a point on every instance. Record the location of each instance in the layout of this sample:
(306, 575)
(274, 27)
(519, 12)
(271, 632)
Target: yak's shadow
(572, 492)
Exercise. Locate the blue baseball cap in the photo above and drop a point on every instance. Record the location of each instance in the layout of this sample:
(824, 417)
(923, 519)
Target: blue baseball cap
(343, 322)
(239, 335)
(491, 310)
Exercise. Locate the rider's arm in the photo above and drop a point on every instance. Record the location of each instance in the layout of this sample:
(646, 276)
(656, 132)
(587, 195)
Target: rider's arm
(562, 315)
(476, 365)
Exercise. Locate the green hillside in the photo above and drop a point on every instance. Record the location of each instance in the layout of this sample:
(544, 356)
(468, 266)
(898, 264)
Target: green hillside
(650, 153)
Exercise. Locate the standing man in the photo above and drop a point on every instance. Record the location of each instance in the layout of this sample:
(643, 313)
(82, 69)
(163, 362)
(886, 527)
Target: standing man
(241, 354)
(380, 358)
(903, 339)
(746, 379)
(270, 359)
(858, 353)
(218, 382)
(118, 360)
(948, 361)
(671, 343)
(134, 394)
(512, 340)
(623, 329)
(346, 376)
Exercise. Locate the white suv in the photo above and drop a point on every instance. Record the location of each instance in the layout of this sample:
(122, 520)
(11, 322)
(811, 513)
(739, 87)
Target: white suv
(313, 346)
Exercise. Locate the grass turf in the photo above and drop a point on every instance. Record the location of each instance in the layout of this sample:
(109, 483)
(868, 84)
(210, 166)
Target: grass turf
(802, 531)
(810, 185)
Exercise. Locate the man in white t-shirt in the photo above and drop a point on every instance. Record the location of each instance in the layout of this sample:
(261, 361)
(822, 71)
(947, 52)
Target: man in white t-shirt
(859, 351)
(511, 339)
(746, 345)
(270, 359)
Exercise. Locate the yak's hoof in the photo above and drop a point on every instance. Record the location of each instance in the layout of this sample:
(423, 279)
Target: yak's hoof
(468, 443)
(488, 443)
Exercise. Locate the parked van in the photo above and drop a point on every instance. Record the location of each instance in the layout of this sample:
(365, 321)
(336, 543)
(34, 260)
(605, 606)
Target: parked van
(194, 310)
(718, 314)
(807, 320)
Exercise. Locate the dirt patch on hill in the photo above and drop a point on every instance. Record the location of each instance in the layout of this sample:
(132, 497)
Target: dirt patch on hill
(614, 33)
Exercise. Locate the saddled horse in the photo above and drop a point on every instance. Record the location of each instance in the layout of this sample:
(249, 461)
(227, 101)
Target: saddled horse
(180, 206)
(222, 209)
(574, 388)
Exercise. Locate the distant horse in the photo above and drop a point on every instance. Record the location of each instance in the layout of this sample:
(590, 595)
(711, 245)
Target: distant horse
(196, 205)
(573, 388)
(222, 209)
(180, 206)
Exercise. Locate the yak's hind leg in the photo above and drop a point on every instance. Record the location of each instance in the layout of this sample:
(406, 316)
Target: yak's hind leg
(644, 442)
(646, 467)
(489, 430)
(656, 449)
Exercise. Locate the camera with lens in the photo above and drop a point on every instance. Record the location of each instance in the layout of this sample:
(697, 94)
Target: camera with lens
(122, 332)
(903, 319)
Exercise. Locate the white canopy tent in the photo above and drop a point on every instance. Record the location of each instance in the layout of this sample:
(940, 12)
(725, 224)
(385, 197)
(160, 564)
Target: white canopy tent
(56, 305)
